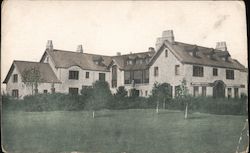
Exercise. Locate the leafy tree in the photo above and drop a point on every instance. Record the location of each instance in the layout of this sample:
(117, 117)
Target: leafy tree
(184, 96)
(161, 92)
(121, 92)
(98, 96)
(32, 77)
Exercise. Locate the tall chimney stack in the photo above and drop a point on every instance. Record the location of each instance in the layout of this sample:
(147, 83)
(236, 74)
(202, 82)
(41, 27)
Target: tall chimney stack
(49, 45)
(79, 49)
(166, 35)
(221, 46)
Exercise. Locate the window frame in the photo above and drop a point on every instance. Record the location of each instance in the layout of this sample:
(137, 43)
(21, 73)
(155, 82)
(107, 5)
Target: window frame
(87, 75)
(229, 74)
(15, 78)
(100, 76)
(204, 91)
(194, 89)
(73, 91)
(198, 71)
(156, 71)
(166, 52)
(177, 69)
(215, 71)
(15, 93)
(73, 75)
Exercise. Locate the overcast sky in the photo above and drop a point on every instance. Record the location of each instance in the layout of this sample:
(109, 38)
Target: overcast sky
(107, 27)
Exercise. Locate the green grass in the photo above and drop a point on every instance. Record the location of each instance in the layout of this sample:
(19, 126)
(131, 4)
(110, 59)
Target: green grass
(130, 131)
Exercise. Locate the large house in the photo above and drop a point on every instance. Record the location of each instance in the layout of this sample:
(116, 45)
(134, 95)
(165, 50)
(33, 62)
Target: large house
(207, 71)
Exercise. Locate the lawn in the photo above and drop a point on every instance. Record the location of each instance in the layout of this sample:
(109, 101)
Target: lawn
(130, 131)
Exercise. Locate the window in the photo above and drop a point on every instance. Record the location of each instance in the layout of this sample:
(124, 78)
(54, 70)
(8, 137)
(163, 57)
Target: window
(204, 91)
(146, 93)
(177, 69)
(230, 74)
(15, 93)
(166, 53)
(137, 77)
(198, 71)
(177, 91)
(15, 78)
(229, 92)
(45, 91)
(196, 91)
(87, 75)
(102, 76)
(73, 91)
(127, 77)
(53, 90)
(156, 71)
(114, 77)
(129, 62)
(139, 61)
(146, 76)
(215, 72)
(47, 60)
(73, 75)
(236, 92)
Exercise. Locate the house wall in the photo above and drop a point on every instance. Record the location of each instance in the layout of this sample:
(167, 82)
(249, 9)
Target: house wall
(239, 79)
(82, 81)
(23, 89)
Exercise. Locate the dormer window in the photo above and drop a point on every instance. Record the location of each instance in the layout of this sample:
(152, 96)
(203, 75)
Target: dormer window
(129, 62)
(193, 52)
(97, 60)
(139, 61)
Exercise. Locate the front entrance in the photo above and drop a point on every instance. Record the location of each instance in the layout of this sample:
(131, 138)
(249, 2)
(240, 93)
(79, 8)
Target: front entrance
(219, 89)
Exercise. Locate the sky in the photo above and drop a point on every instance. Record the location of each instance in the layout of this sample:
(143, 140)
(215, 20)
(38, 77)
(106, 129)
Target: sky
(108, 27)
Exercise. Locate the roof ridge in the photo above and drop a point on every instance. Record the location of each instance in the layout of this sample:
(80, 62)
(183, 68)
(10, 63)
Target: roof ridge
(28, 62)
(68, 51)
(132, 54)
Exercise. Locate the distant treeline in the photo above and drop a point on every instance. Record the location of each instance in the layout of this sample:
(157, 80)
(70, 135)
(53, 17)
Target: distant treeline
(99, 97)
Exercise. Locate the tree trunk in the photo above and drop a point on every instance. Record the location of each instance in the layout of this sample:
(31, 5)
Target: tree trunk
(164, 103)
(93, 114)
(186, 111)
(157, 107)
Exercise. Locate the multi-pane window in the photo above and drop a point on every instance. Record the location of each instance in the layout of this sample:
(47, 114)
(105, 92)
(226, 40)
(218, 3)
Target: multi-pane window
(204, 91)
(74, 75)
(87, 75)
(146, 76)
(177, 69)
(198, 71)
(229, 92)
(15, 93)
(127, 77)
(156, 71)
(15, 78)
(166, 53)
(102, 76)
(45, 91)
(196, 91)
(73, 91)
(129, 62)
(139, 61)
(236, 92)
(230, 74)
(215, 72)
(137, 77)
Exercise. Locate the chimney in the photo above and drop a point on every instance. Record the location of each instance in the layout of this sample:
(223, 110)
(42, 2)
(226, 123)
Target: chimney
(49, 45)
(221, 46)
(166, 35)
(79, 49)
(151, 49)
(118, 54)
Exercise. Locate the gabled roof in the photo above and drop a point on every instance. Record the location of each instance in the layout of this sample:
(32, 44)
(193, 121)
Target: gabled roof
(121, 60)
(47, 74)
(181, 51)
(66, 59)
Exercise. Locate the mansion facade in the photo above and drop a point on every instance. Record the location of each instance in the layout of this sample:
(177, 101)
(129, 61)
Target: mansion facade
(207, 71)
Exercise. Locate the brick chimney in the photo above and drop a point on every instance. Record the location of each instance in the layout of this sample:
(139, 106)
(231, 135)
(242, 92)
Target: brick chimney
(221, 46)
(151, 49)
(49, 45)
(166, 35)
(79, 49)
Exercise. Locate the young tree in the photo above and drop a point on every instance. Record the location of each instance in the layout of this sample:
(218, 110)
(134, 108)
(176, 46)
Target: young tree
(184, 96)
(99, 96)
(161, 93)
(32, 77)
(121, 92)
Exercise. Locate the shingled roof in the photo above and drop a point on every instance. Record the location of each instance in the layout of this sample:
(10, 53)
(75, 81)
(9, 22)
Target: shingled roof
(47, 74)
(121, 60)
(181, 51)
(66, 59)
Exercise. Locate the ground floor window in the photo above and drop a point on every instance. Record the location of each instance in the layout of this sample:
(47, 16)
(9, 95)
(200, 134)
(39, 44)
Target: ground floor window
(15, 93)
(236, 92)
(45, 91)
(53, 90)
(146, 93)
(73, 91)
(229, 92)
(177, 91)
(196, 91)
(102, 76)
(204, 91)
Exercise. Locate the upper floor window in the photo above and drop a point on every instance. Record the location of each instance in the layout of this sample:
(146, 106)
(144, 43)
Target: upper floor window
(230, 74)
(215, 72)
(177, 69)
(139, 61)
(129, 62)
(102, 76)
(47, 60)
(198, 71)
(74, 75)
(156, 71)
(166, 53)
(87, 75)
(15, 78)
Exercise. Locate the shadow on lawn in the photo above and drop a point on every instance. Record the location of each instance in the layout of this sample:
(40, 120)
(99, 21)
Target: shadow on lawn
(196, 117)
